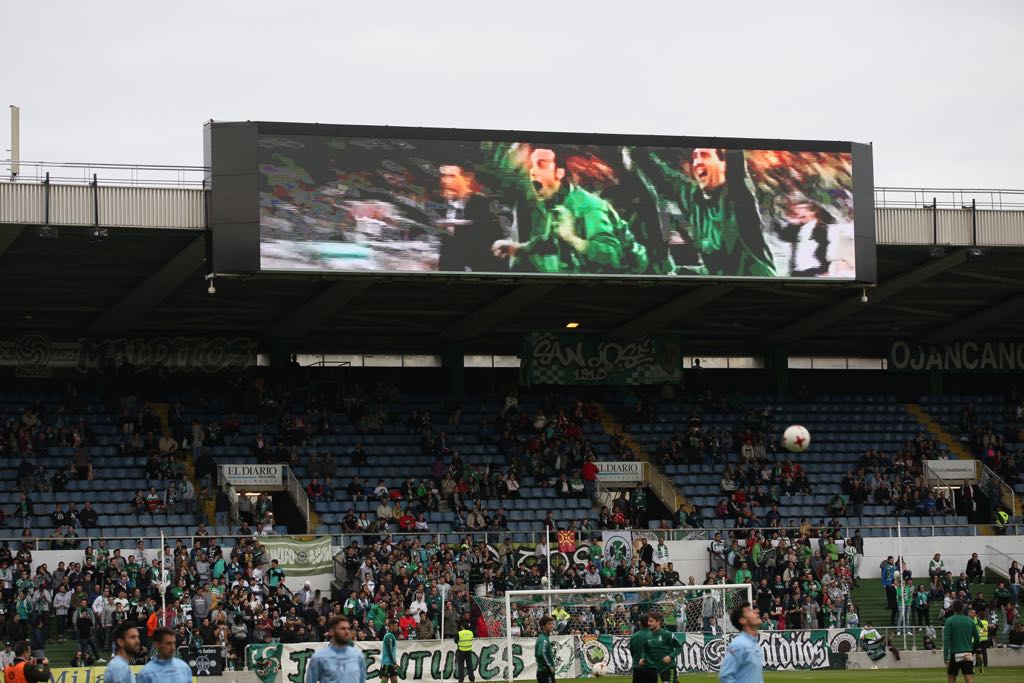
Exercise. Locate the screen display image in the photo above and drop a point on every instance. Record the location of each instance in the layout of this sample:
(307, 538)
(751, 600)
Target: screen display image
(404, 205)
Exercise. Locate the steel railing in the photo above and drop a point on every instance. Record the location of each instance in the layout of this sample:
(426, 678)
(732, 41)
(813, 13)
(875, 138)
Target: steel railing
(131, 175)
(948, 198)
(999, 491)
(92, 537)
(161, 175)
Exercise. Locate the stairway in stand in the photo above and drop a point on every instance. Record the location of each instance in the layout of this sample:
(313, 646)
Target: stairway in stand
(954, 445)
(659, 484)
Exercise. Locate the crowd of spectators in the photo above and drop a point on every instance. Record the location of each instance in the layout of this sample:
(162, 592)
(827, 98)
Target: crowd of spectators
(912, 602)
(752, 438)
(993, 446)
(803, 576)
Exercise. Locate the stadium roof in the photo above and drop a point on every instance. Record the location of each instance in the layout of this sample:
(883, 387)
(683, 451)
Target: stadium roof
(151, 282)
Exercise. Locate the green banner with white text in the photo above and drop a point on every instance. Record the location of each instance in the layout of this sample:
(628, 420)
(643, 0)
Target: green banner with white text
(576, 359)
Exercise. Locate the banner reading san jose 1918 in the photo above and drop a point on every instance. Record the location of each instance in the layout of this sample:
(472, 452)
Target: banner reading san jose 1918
(572, 359)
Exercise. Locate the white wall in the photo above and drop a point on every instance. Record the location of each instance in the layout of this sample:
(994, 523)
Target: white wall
(955, 551)
(691, 557)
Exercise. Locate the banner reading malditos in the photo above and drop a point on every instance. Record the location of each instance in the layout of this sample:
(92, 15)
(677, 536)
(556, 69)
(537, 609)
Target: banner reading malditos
(782, 650)
(572, 359)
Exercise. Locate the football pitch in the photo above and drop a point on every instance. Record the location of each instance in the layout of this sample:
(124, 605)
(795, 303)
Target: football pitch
(991, 675)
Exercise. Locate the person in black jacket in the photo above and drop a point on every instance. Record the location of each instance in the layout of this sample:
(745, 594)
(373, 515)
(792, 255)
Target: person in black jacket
(469, 225)
(38, 642)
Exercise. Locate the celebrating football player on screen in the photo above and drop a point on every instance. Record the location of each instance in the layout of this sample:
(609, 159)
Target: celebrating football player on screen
(469, 225)
(718, 201)
(806, 229)
(571, 230)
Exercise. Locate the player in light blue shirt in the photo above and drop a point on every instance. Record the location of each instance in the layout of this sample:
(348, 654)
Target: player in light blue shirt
(165, 668)
(339, 662)
(129, 646)
(743, 662)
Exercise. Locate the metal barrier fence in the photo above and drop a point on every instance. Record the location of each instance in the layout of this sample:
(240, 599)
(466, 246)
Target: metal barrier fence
(159, 175)
(495, 536)
(131, 175)
(948, 198)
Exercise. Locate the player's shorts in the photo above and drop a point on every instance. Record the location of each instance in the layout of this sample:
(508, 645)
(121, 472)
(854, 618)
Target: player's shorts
(645, 676)
(545, 677)
(668, 675)
(388, 670)
(955, 667)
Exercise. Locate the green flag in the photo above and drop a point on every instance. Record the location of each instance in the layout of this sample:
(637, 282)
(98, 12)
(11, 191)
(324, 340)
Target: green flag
(265, 660)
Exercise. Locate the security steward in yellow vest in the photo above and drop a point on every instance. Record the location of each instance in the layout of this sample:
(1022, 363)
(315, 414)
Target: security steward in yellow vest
(981, 623)
(464, 655)
(1002, 519)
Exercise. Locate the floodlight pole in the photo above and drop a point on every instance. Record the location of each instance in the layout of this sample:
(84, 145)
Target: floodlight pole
(15, 141)
(509, 660)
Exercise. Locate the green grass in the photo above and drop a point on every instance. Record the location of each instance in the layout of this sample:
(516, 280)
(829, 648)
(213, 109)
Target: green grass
(991, 675)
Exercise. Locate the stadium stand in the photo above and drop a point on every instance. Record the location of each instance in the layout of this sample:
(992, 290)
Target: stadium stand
(441, 469)
(716, 448)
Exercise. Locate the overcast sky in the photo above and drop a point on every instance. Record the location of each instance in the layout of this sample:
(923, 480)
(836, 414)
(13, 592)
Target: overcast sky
(937, 86)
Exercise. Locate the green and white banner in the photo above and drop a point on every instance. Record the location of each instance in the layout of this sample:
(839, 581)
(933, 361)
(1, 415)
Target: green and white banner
(574, 359)
(782, 650)
(300, 558)
(435, 660)
(417, 660)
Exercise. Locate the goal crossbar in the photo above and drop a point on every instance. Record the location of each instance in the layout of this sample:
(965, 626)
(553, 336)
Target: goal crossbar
(509, 595)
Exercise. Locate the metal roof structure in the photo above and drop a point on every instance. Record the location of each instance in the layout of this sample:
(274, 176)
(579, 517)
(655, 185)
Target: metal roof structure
(945, 272)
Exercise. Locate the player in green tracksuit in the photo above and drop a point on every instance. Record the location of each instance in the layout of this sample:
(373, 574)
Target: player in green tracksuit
(662, 648)
(543, 652)
(568, 229)
(720, 205)
(389, 654)
(643, 670)
(959, 641)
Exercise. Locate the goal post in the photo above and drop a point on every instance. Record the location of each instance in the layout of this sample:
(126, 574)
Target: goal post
(588, 613)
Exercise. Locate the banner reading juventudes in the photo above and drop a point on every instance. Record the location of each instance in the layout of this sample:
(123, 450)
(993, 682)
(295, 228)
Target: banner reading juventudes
(573, 359)
(300, 558)
(432, 660)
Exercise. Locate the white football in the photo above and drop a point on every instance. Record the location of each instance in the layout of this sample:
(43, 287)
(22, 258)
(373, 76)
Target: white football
(796, 439)
(544, 581)
(599, 669)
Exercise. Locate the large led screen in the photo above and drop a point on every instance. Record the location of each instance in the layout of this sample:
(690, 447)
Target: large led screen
(385, 204)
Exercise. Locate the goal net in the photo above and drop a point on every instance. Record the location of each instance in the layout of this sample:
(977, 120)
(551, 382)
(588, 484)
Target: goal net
(593, 625)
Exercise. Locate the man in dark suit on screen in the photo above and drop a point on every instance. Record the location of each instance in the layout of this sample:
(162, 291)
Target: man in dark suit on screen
(469, 226)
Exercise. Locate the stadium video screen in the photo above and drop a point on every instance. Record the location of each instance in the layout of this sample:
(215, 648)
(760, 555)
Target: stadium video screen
(531, 206)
